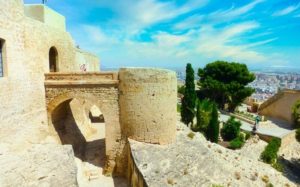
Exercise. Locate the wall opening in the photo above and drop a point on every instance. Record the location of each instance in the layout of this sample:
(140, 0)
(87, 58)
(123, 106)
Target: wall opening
(73, 125)
(2, 58)
(53, 59)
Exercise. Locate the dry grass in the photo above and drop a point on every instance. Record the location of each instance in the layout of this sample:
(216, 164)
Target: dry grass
(191, 135)
(171, 181)
(265, 179)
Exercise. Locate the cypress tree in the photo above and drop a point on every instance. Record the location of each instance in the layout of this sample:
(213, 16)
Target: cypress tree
(189, 99)
(213, 127)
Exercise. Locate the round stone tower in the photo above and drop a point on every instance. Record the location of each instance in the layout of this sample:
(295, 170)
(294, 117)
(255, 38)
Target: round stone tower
(148, 99)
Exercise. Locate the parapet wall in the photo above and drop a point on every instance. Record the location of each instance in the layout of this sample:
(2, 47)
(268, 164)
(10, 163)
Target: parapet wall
(148, 104)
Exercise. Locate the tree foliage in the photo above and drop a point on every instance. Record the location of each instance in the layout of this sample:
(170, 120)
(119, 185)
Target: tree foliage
(213, 127)
(203, 116)
(298, 135)
(189, 99)
(226, 83)
(237, 143)
(181, 89)
(231, 129)
(296, 114)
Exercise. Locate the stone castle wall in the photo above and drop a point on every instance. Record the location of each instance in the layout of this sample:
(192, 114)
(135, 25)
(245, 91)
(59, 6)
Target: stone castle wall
(148, 104)
(138, 104)
(23, 115)
(281, 108)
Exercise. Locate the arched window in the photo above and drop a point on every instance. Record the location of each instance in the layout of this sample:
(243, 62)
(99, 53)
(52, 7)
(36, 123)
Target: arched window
(2, 64)
(53, 59)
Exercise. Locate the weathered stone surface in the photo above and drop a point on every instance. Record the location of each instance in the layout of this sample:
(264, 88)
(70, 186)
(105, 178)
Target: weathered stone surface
(196, 162)
(23, 115)
(148, 98)
(40, 165)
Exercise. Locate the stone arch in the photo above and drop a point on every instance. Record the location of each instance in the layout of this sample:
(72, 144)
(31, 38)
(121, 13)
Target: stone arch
(56, 101)
(88, 150)
(53, 59)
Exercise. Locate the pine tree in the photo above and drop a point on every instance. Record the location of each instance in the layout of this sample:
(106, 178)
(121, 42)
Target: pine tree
(189, 99)
(213, 127)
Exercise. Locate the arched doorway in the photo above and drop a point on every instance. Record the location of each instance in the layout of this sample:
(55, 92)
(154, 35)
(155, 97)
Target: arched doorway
(76, 123)
(53, 59)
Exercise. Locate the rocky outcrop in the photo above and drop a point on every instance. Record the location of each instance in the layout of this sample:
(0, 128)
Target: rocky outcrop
(40, 165)
(193, 161)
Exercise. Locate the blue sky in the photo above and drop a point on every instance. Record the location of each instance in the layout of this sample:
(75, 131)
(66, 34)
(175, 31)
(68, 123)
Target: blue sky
(170, 33)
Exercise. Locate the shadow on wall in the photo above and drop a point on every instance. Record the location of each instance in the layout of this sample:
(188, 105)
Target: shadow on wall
(69, 133)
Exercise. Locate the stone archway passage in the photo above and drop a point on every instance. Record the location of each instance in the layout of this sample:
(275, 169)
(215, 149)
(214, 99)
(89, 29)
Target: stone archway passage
(73, 126)
(99, 89)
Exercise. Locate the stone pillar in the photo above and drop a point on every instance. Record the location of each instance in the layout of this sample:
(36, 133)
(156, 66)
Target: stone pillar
(148, 100)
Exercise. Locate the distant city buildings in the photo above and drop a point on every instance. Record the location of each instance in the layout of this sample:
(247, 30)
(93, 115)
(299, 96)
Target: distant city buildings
(266, 84)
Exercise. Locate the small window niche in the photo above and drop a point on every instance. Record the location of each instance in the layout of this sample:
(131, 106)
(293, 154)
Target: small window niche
(3, 71)
(53, 59)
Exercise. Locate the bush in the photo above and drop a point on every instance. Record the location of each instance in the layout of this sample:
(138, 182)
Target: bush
(278, 166)
(191, 135)
(298, 135)
(181, 89)
(231, 129)
(248, 135)
(237, 143)
(178, 108)
(269, 155)
(203, 115)
(296, 114)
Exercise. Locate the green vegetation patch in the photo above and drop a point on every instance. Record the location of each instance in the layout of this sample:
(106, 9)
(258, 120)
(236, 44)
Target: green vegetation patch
(269, 155)
(298, 135)
(296, 114)
(225, 83)
(237, 143)
(191, 135)
(189, 98)
(231, 129)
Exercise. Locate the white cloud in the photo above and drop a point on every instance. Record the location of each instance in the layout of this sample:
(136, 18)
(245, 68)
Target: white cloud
(134, 15)
(218, 43)
(286, 10)
(165, 48)
(225, 15)
(190, 22)
(216, 17)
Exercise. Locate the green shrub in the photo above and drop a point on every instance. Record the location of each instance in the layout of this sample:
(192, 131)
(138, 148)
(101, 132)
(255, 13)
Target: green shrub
(296, 114)
(269, 155)
(181, 89)
(203, 115)
(269, 185)
(278, 166)
(237, 143)
(231, 129)
(178, 108)
(248, 135)
(191, 135)
(298, 135)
